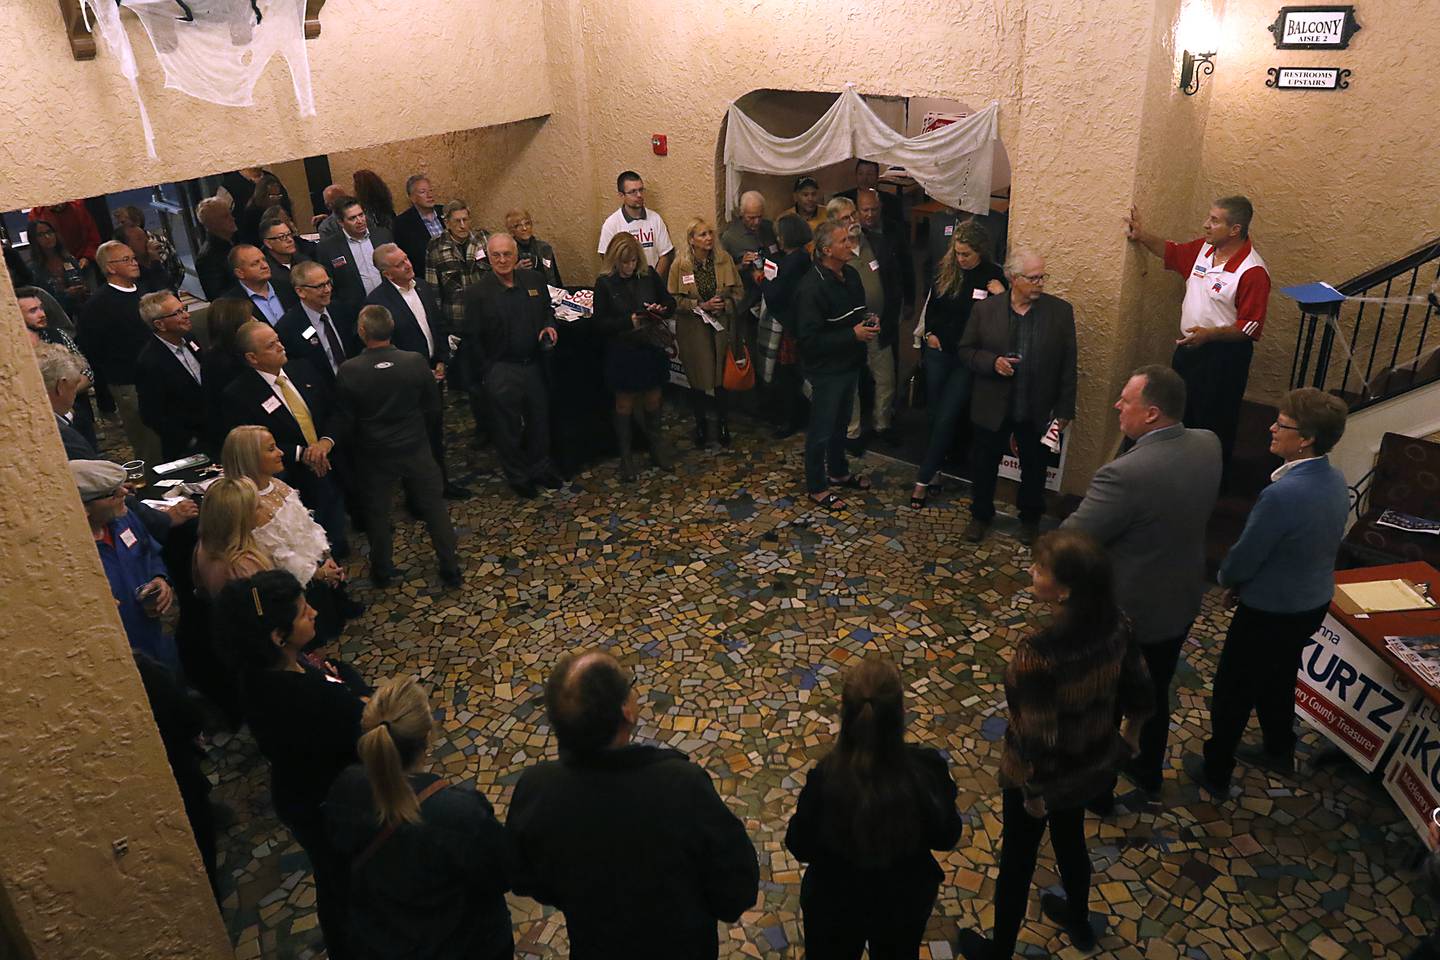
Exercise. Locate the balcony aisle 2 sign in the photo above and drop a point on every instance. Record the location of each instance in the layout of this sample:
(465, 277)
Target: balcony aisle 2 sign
(1314, 28)
(1348, 693)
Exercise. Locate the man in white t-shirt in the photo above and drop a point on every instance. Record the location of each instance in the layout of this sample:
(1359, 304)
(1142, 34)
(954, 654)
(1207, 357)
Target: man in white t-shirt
(1227, 290)
(646, 225)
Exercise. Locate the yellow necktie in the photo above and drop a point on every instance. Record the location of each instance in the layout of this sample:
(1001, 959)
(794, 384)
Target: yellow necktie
(298, 410)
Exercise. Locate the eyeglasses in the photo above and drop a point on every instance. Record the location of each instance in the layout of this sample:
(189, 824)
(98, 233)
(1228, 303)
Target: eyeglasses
(634, 191)
(1284, 426)
(316, 286)
(174, 313)
(280, 236)
(122, 260)
(1033, 277)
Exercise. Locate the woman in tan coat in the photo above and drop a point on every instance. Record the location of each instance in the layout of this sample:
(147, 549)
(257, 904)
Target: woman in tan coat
(705, 284)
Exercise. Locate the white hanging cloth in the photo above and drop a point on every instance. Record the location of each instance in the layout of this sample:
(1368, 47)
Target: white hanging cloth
(953, 163)
(213, 50)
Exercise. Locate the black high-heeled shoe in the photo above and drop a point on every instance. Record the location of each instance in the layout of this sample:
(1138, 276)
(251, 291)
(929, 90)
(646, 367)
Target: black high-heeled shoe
(722, 433)
(918, 503)
(701, 435)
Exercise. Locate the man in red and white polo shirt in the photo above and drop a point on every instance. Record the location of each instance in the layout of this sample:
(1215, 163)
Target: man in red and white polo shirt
(1227, 289)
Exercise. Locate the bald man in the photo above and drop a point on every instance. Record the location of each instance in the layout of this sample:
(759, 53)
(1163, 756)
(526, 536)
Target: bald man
(611, 817)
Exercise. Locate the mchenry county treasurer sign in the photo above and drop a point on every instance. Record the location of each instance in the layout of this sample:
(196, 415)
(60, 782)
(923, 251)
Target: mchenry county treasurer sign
(1308, 78)
(1310, 28)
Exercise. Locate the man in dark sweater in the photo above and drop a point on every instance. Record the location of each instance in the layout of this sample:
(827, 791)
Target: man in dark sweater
(211, 263)
(111, 334)
(388, 401)
(833, 328)
(631, 842)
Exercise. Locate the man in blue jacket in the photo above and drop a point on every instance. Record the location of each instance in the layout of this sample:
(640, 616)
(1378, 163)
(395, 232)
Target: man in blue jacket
(1281, 576)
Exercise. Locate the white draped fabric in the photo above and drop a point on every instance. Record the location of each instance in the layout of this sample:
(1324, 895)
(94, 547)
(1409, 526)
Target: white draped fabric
(953, 163)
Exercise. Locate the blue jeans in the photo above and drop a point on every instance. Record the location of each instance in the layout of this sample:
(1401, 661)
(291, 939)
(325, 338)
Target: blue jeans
(947, 390)
(831, 397)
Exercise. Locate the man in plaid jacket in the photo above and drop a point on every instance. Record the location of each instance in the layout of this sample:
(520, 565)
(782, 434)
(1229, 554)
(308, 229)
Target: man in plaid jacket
(453, 262)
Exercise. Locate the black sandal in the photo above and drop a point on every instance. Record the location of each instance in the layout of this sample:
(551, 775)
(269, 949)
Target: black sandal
(830, 502)
(852, 482)
(918, 503)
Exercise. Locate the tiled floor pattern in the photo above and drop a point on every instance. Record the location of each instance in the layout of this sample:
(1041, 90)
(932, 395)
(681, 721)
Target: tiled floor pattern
(738, 609)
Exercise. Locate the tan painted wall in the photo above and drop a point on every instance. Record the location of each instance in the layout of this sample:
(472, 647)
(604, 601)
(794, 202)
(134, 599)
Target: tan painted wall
(1342, 181)
(375, 69)
(80, 762)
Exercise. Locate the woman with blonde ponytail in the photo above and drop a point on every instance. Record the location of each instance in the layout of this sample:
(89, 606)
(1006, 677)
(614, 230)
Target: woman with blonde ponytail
(427, 877)
(868, 816)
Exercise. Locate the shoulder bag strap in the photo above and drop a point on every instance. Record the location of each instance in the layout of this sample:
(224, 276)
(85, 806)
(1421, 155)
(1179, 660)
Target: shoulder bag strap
(384, 835)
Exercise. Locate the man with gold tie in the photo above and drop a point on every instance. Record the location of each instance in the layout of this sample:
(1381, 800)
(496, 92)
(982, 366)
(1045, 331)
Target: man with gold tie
(288, 398)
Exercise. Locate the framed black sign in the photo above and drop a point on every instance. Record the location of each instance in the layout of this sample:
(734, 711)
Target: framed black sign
(1314, 28)
(1308, 78)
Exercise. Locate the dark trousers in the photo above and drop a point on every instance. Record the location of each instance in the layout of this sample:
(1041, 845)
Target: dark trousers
(1161, 659)
(1215, 375)
(787, 396)
(947, 392)
(325, 498)
(987, 448)
(376, 475)
(700, 401)
(519, 420)
(1020, 836)
(840, 920)
(332, 880)
(1258, 666)
(831, 397)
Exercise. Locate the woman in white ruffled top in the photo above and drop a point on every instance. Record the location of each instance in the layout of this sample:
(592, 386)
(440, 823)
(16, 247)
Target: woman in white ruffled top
(286, 531)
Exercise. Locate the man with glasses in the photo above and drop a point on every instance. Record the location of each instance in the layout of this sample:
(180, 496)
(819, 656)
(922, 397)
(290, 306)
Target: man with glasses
(645, 224)
(167, 377)
(1227, 291)
(420, 223)
(320, 329)
(611, 817)
(112, 334)
(1021, 349)
(282, 251)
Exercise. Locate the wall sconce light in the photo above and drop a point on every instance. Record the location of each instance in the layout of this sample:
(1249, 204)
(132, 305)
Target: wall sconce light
(1192, 66)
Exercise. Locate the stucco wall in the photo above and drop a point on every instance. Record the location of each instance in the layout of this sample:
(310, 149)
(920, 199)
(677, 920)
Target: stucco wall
(1342, 181)
(376, 69)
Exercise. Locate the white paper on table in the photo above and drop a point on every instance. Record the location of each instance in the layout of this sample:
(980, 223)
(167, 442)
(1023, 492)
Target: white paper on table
(166, 484)
(1378, 596)
(709, 319)
(165, 504)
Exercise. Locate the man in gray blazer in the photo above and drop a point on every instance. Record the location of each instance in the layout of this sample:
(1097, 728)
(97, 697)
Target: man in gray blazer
(1149, 506)
(1021, 348)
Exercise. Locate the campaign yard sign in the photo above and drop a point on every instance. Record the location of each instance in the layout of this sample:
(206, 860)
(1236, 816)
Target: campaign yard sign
(1346, 691)
(1413, 776)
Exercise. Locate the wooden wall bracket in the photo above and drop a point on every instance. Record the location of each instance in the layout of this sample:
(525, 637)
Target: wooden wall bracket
(82, 41)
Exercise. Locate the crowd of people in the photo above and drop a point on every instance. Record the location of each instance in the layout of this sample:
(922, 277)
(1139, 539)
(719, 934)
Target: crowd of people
(320, 389)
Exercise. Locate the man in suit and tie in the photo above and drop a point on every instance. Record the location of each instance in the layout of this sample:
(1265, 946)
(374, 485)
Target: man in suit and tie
(1022, 351)
(254, 282)
(350, 255)
(167, 377)
(320, 330)
(419, 327)
(289, 399)
(1149, 507)
(388, 401)
(420, 223)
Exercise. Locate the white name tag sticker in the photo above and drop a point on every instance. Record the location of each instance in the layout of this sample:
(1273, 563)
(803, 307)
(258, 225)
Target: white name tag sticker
(874, 265)
(309, 333)
(687, 278)
(194, 347)
(271, 405)
(480, 253)
(979, 293)
(950, 230)
(772, 269)
(127, 537)
(548, 263)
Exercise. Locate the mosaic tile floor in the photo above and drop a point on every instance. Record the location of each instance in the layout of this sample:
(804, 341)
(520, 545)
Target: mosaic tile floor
(738, 610)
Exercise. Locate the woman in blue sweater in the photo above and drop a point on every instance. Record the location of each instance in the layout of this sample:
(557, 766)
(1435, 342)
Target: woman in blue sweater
(1280, 575)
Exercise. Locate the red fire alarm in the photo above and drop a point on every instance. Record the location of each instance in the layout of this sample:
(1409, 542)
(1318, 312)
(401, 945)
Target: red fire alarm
(659, 144)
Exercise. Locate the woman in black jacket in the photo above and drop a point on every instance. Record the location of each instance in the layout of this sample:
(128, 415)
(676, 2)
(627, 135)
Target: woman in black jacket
(963, 278)
(787, 383)
(631, 308)
(866, 821)
(427, 874)
(305, 715)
